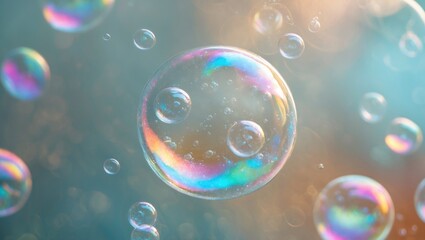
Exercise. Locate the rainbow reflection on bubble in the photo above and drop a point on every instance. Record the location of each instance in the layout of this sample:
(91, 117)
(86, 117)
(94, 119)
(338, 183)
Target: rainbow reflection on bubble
(353, 207)
(217, 79)
(25, 73)
(403, 136)
(15, 183)
(420, 200)
(76, 16)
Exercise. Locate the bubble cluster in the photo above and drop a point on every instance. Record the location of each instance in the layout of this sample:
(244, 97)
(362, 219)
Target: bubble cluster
(76, 16)
(372, 107)
(145, 233)
(25, 73)
(141, 214)
(291, 46)
(15, 183)
(172, 105)
(353, 207)
(420, 200)
(403, 136)
(144, 39)
(222, 148)
(111, 166)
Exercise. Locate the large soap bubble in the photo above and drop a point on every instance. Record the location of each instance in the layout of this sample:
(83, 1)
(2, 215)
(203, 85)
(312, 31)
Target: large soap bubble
(226, 87)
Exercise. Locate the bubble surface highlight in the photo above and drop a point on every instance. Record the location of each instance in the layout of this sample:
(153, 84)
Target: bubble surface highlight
(403, 137)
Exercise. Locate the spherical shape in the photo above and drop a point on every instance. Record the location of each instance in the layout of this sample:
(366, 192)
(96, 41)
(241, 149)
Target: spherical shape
(372, 107)
(267, 20)
(314, 25)
(144, 39)
(353, 207)
(172, 105)
(142, 213)
(145, 233)
(200, 162)
(291, 46)
(420, 200)
(403, 136)
(111, 166)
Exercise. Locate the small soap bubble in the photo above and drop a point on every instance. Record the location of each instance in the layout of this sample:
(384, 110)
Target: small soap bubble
(245, 138)
(314, 25)
(267, 20)
(410, 44)
(403, 136)
(145, 233)
(209, 154)
(172, 105)
(291, 46)
(141, 214)
(111, 166)
(372, 107)
(107, 37)
(420, 200)
(144, 39)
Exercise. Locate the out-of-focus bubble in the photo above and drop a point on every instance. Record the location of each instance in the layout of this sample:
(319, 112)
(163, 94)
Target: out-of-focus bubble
(294, 216)
(267, 20)
(141, 214)
(245, 138)
(216, 78)
(144, 39)
(107, 37)
(353, 207)
(111, 166)
(172, 105)
(76, 16)
(314, 25)
(420, 200)
(291, 46)
(410, 44)
(25, 73)
(372, 107)
(15, 183)
(403, 136)
(381, 8)
(145, 233)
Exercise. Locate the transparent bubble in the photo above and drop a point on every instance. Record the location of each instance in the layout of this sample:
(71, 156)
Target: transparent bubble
(25, 73)
(314, 25)
(172, 105)
(291, 46)
(420, 200)
(294, 216)
(372, 107)
(403, 136)
(144, 39)
(107, 37)
(111, 166)
(15, 183)
(353, 207)
(258, 92)
(76, 16)
(142, 213)
(145, 233)
(245, 138)
(267, 20)
(410, 44)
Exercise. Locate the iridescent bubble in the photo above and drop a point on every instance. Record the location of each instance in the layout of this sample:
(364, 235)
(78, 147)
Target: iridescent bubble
(258, 92)
(145, 233)
(111, 166)
(15, 183)
(314, 25)
(25, 73)
(144, 39)
(142, 213)
(76, 16)
(372, 107)
(403, 136)
(420, 200)
(353, 207)
(245, 138)
(267, 20)
(172, 105)
(410, 44)
(291, 46)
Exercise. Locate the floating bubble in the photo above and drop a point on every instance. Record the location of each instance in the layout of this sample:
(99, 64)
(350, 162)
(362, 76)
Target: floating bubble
(245, 138)
(410, 44)
(420, 200)
(76, 16)
(25, 73)
(145, 233)
(144, 39)
(267, 20)
(111, 166)
(257, 92)
(15, 183)
(107, 37)
(353, 207)
(141, 214)
(294, 216)
(172, 105)
(291, 46)
(372, 107)
(314, 25)
(403, 136)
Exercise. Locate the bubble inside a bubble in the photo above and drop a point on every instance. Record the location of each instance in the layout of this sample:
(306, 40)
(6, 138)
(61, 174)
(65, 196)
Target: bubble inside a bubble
(172, 105)
(245, 138)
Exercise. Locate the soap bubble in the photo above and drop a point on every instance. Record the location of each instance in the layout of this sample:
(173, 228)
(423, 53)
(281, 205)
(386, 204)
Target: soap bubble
(291, 46)
(172, 105)
(245, 138)
(25, 73)
(353, 207)
(144, 39)
(142, 213)
(145, 233)
(403, 136)
(106, 36)
(267, 20)
(420, 200)
(76, 16)
(410, 44)
(372, 107)
(111, 166)
(15, 183)
(314, 25)
(216, 78)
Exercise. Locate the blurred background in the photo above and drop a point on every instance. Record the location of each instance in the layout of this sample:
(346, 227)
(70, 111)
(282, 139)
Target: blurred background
(88, 112)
